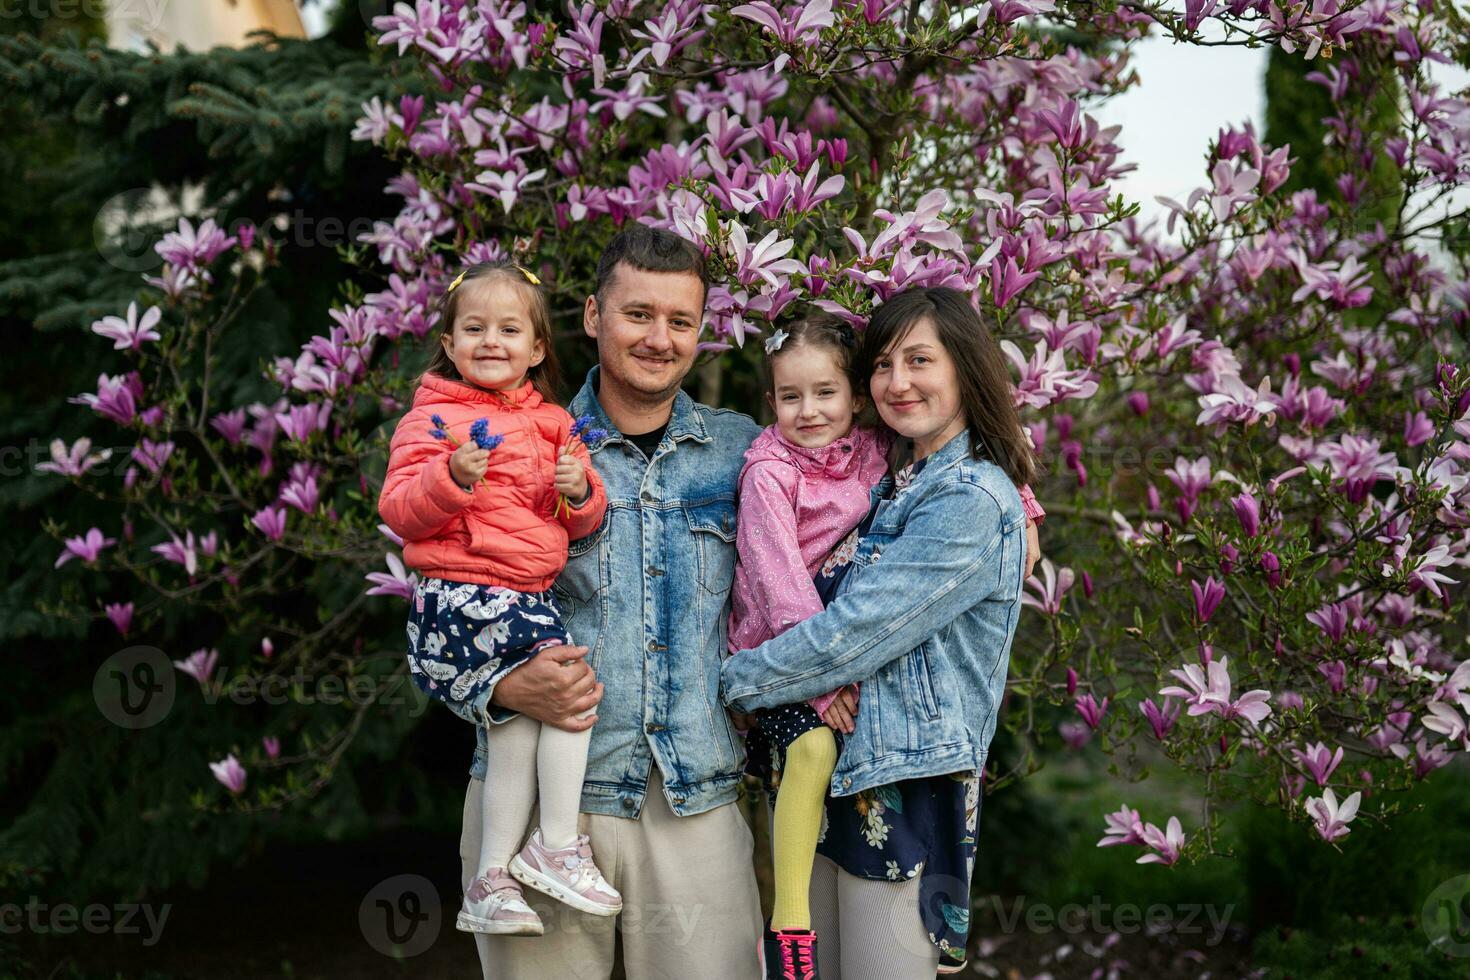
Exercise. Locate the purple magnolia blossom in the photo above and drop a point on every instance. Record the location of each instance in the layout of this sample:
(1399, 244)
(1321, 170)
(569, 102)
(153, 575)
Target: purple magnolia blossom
(230, 425)
(121, 614)
(74, 461)
(1248, 511)
(228, 770)
(302, 494)
(1332, 620)
(1207, 691)
(1074, 734)
(116, 398)
(87, 547)
(1332, 820)
(1123, 827)
(200, 664)
(1049, 589)
(152, 455)
(396, 581)
(1318, 761)
(1127, 827)
(130, 333)
(272, 746)
(1207, 598)
(1271, 566)
(1161, 720)
(801, 23)
(270, 521)
(183, 552)
(193, 249)
(1090, 710)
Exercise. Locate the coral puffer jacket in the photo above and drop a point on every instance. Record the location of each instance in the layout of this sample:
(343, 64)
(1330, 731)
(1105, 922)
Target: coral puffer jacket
(506, 534)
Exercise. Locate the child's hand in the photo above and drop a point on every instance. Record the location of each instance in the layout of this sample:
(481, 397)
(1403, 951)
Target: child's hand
(841, 714)
(468, 464)
(571, 477)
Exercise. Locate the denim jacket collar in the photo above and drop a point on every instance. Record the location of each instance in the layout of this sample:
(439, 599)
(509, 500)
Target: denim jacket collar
(947, 455)
(686, 422)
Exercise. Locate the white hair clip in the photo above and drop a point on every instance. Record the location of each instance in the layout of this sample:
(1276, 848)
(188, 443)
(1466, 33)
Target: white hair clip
(774, 341)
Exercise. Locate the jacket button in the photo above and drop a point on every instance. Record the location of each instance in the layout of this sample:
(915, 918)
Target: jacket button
(846, 781)
(651, 728)
(646, 495)
(627, 804)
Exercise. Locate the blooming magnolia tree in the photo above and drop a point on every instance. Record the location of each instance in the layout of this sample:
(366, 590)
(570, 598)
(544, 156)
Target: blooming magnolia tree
(1255, 416)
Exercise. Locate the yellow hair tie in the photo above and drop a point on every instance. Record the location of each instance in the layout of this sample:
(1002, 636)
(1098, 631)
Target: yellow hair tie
(458, 279)
(529, 276)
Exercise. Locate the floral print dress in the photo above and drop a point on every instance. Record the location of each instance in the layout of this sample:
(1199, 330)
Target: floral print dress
(922, 828)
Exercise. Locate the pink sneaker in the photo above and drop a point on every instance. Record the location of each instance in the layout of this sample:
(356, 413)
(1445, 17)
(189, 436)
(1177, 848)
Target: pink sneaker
(494, 904)
(569, 875)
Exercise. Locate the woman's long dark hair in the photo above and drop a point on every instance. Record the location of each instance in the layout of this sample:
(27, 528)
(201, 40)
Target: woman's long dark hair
(985, 384)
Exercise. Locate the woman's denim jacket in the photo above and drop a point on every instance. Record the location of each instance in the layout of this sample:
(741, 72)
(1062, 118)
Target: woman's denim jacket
(649, 594)
(925, 620)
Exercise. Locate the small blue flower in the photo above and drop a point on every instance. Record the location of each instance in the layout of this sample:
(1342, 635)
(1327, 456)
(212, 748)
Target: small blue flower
(438, 421)
(438, 433)
(479, 432)
(592, 436)
(581, 425)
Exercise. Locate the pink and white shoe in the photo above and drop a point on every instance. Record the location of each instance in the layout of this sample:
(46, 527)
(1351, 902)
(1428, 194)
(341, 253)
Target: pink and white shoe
(568, 875)
(494, 904)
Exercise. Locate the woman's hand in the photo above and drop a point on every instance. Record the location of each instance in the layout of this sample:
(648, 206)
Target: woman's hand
(468, 464)
(571, 477)
(841, 714)
(1033, 546)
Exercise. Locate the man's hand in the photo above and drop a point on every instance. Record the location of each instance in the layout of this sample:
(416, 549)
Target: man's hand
(1033, 546)
(553, 687)
(841, 714)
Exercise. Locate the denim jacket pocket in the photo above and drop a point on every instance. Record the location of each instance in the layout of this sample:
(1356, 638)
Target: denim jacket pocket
(918, 680)
(713, 526)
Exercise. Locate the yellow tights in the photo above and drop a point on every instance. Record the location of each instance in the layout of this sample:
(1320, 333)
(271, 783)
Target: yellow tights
(798, 819)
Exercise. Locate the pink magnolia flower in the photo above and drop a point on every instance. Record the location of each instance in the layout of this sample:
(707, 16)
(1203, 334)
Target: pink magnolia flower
(763, 260)
(1331, 819)
(87, 547)
(1248, 510)
(1045, 378)
(1123, 827)
(396, 581)
(1049, 594)
(193, 249)
(1074, 734)
(390, 534)
(1346, 286)
(303, 495)
(267, 648)
(180, 552)
(129, 333)
(802, 23)
(1235, 401)
(116, 398)
(1318, 761)
(229, 771)
(230, 425)
(1207, 598)
(272, 746)
(74, 461)
(270, 521)
(1440, 716)
(1166, 844)
(1208, 691)
(1161, 720)
(376, 122)
(1332, 620)
(121, 614)
(199, 664)
(1090, 710)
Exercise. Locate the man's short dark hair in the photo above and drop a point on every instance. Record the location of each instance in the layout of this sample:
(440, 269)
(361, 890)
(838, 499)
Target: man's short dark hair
(650, 250)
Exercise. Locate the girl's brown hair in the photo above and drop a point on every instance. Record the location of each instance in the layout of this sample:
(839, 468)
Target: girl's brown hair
(546, 376)
(825, 331)
(985, 384)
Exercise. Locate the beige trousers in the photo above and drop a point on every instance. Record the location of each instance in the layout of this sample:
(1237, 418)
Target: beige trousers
(690, 905)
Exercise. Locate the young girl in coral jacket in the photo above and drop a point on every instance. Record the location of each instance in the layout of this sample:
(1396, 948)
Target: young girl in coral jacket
(487, 483)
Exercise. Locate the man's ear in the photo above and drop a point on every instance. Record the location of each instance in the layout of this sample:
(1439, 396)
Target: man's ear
(590, 316)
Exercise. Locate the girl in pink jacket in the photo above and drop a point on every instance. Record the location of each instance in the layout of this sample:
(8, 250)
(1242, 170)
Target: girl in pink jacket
(805, 486)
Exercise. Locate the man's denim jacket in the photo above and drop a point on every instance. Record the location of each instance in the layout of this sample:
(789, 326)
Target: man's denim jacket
(649, 594)
(925, 621)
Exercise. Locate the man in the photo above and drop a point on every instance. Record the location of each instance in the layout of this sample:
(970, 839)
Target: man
(649, 593)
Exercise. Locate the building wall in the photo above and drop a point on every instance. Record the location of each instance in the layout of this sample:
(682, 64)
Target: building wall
(197, 24)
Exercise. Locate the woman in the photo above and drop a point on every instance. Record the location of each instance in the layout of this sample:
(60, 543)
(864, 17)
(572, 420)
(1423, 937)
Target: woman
(925, 597)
